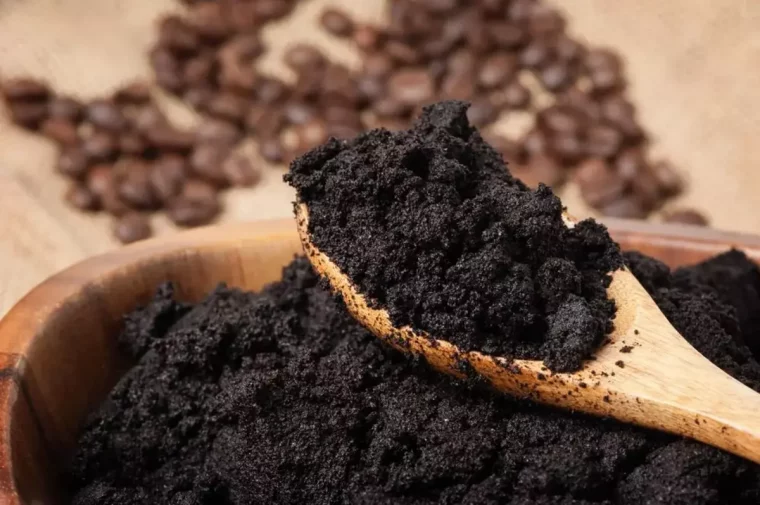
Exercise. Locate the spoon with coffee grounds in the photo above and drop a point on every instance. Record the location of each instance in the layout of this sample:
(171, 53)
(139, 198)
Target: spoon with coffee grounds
(646, 373)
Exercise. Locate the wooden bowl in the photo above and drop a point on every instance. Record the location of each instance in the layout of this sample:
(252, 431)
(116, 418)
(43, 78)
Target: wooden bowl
(58, 354)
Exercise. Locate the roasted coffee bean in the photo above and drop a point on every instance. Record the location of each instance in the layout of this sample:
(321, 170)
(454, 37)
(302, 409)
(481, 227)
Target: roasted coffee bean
(99, 179)
(206, 161)
(630, 163)
(515, 95)
(536, 54)
(389, 107)
(72, 162)
(100, 146)
(370, 88)
(497, 69)
(545, 21)
(458, 85)
(271, 149)
(298, 112)
(229, 106)
(560, 119)
(581, 102)
(168, 176)
(147, 117)
(134, 186)
(521, 11)
(366, 37)
(265, 121)
(603, 141)
(647, 190)
(135, 93)
(199, 70)
(242, 17)
(270, 90)
(81, 198)
(24, 89)
(402, 53)
(208, 20)
(167, 69)
(343, 131)
(62, 131)
(685, 216)
(337, 114)
(377, 65)
(482, 112)
(556, 76)
(534, 142)
(268, 10)
(198, 204)
(604, 70)
(198, 97)
(131, 227)
(598, 183)
(170, 138)
(336, 22)
(567, 147)
(28, 114)
(132, 144)
(105, 115)
(539, 169)
(65, 108)
(627, 207)
(569, 50)
(338, 87)
(241, 172)
(217, 131)
(621, 113)
(174, 33)
(669, 180)
(236, 62)
(302, 57)
(506, 35)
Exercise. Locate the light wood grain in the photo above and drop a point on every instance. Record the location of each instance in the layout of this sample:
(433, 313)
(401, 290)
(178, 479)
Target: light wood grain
(692, 65)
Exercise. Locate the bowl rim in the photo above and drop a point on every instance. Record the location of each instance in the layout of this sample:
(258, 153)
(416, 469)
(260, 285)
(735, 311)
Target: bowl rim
(26, 319)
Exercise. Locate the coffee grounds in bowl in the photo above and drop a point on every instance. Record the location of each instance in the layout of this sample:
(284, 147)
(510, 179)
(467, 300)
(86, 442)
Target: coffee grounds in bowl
(281, 397)
(430, 225)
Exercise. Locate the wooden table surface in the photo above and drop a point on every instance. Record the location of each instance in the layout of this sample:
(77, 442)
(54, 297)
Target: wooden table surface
(693, 68)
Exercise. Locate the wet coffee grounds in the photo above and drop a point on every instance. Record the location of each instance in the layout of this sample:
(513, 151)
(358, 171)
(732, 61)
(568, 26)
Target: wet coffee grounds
(430, 224)
(280, 397)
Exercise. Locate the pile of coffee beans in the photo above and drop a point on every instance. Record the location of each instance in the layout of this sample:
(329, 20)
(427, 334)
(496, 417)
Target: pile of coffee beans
(123, 155)
(505, 56)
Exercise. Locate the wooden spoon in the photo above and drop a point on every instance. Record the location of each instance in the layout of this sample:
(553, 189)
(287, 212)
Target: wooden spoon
(647, 373)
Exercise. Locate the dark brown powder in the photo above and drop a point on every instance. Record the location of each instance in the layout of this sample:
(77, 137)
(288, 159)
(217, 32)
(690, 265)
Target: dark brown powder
(430, 224)
(280, 397)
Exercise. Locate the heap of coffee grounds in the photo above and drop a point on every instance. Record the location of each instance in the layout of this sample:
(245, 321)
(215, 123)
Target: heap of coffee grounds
(430, 224)
(281, 397)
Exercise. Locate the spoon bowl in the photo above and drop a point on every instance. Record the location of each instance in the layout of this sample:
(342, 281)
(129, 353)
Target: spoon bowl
(645, 373)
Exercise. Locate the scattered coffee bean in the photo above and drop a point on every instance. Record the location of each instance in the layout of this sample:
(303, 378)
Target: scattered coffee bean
(297, 112)
(539, 168)
(497, 69)
(132, 144)
(134, 186)
(168, 176)
(198, 204)
(228, 106)
(81, 198)
(411, 87)
(600, 185)
(272, 150)
(603, 141)
(206, 161)
(240, 172)
(105, 114)
(73, 162)
(100, 179)
(137, 93)
(337, 22)
(627, 207)
(302, 57)
(100, 146)
(28, 114)
(218, 131)
(62, 131)
(685, 216)
(169, 138)
(65, 108)
(24, 89)
(132, 227)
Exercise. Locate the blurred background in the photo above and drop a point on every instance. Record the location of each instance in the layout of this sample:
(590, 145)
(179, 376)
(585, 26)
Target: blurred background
(129, 118)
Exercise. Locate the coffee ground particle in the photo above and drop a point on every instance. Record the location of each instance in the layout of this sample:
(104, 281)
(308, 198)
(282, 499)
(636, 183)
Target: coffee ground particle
(430, 224)
(280, 397)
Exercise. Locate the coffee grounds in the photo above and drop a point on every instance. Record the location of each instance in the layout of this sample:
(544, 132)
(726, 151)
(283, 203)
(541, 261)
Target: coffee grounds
(281, 397)
(430, 224)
